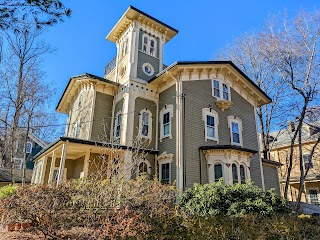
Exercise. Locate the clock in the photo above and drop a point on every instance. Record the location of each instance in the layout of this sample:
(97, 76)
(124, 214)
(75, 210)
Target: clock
(148, 69)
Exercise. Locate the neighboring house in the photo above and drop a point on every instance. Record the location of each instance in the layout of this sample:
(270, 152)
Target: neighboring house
(199, 117)
(33, 146)
(280, 152)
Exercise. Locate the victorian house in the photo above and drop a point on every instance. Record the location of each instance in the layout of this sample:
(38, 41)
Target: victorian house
(198, 117)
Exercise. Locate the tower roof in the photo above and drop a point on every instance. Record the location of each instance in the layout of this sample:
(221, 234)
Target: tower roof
(132, 14)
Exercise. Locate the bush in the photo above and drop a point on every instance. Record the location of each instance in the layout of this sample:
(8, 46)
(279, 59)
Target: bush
(7, 191)
(232, 200)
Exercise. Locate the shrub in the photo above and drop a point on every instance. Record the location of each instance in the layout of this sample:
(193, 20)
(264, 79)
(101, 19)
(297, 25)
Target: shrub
(7, 191)
(231, 200)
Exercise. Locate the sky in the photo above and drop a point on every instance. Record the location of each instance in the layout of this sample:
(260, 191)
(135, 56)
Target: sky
(205, 27)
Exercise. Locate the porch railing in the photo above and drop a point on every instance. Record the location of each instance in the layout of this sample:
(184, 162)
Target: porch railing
(313, 199)
(110, 66)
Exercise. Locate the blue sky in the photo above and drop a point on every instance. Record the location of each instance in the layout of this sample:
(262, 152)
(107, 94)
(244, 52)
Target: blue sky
(205, 27)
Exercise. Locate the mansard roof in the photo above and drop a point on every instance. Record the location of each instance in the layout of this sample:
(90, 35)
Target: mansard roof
(133, 13)
(61, 107)
(179, 65)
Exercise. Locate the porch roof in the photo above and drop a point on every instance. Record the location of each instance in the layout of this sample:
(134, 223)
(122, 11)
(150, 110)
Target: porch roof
(90, 145)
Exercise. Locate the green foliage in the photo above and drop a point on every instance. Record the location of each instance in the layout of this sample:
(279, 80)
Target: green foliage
(7, 191)
(231, 200)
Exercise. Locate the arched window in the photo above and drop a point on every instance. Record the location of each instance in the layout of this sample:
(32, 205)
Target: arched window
(124, 48)
(144, 167)
(242, 174)
(145, 124)
(218, 171)
(149, 45)
(234, 174)
(80, 100)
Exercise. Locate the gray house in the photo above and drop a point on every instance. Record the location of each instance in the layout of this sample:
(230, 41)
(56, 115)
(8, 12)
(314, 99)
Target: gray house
(197, 117)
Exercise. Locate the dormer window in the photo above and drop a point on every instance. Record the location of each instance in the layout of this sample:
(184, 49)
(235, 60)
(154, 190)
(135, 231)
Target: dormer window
(149, 45)
(218, 87)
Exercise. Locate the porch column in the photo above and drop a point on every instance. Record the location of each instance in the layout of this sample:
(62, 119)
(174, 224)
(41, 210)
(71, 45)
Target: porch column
(43, 171)
(86, 164)
(53, 163)
(62, 162)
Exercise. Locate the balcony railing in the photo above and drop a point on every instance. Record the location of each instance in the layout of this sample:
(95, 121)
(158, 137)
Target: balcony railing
(313, 199)
(110, 66)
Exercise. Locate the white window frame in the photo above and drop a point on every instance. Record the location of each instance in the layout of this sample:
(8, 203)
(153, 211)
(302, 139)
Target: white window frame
(30, 144)
(162, 162)
(221, 82)
(164, 110)
(210, 112)
(238, 172)
(149, 136)
(17, 166)
(211, 172)
(116, 124)
(246, 172)
(124, 48)
(235, 119)
(148, 45)
(148, 166)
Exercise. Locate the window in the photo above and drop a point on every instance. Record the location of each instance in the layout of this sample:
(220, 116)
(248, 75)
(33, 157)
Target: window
(225, 91)
(29, 147)
(117, 129)
(144, 167)
(165, 121)
(308, 164)
(165, 173)
(124, 48)
(56, 174)
(234, 174)
(219, 87)
(235, 125)
(149, 45)
(218, 172)
(216, 88)
(17, 163)
(210, 118)
(145, 123)
(242, 174)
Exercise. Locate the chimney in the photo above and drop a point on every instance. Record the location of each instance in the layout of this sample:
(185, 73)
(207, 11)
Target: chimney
(291, 127)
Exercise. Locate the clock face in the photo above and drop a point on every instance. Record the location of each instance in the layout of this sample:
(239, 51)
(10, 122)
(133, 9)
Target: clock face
(148, 69)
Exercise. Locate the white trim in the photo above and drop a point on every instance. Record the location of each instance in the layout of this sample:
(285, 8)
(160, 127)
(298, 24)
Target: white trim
(148, 166)
(237, 120)
(164, 110)
(148, 45)
(30, 143)
(165, 161)
(211, 172)
(116, 123)
(221, 82)
(149, 136)
(214, 114)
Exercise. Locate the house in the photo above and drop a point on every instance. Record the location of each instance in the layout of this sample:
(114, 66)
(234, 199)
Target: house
(198, 117)
(33, 146)
(280, 152)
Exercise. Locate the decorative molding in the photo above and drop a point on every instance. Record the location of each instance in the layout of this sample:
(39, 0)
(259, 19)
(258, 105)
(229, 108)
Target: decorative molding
(223, 104)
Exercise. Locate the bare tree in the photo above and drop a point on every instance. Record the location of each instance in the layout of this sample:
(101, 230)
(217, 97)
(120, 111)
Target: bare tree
(249, 53)
(294, 46)
(20, 81)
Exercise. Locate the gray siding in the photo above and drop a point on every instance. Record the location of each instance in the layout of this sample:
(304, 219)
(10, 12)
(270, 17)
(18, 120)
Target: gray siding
(145, 58)
(199, 96)
(102, 117)
(271, 178)
(150, 105)
(169, 145)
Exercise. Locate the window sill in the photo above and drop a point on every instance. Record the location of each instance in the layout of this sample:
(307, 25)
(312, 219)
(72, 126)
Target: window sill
(148, 54)
(223, 104)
